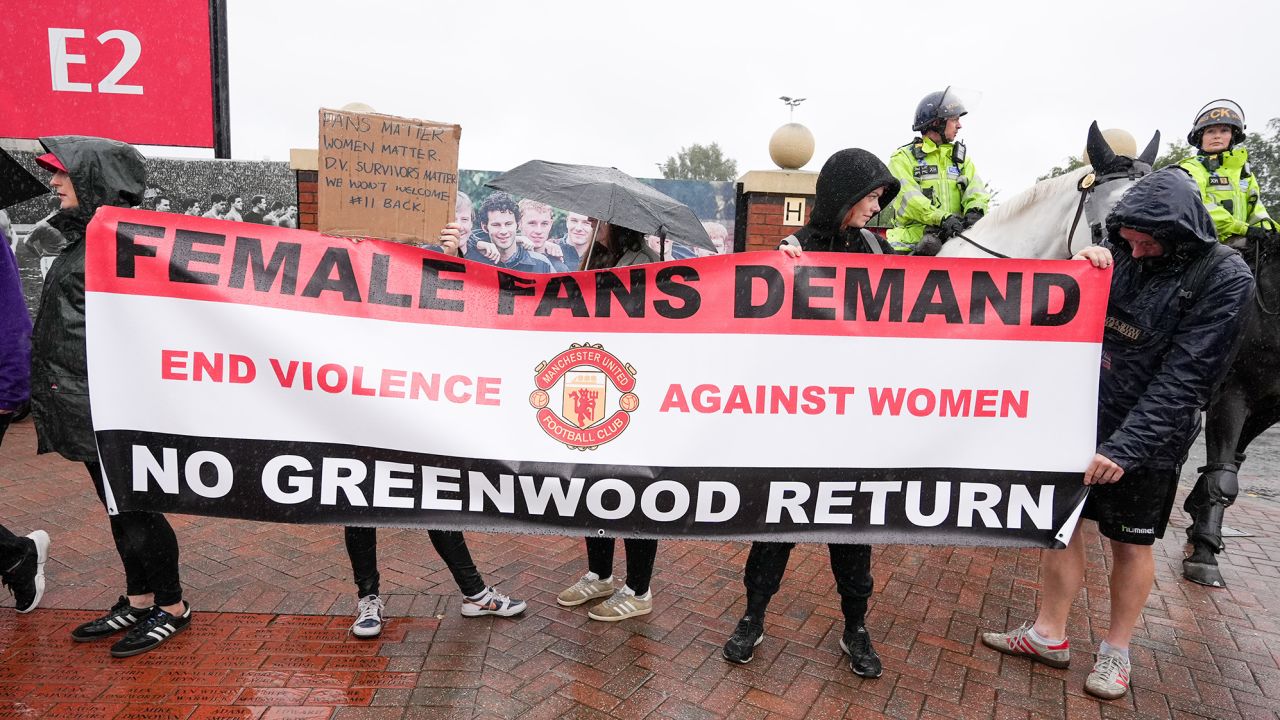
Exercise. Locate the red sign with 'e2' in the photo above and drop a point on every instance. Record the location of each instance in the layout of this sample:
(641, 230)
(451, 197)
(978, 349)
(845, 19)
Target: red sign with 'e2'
(128, 70)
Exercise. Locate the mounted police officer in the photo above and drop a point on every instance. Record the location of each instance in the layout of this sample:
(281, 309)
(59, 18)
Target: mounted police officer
(1230, 192)
(942, 194)
(1221, 170)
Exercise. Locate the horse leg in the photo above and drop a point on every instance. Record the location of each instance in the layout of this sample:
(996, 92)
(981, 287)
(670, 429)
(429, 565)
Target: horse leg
(1217, 486)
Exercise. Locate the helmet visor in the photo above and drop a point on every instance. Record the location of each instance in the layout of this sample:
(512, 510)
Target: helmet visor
(1220, 112)
(957, 101)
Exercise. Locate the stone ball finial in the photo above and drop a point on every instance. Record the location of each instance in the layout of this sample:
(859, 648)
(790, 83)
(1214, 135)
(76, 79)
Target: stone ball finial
(357, 107)
(791, 146)
(1121, 142)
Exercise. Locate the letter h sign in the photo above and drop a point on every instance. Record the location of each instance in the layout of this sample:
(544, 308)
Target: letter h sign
(793, 211)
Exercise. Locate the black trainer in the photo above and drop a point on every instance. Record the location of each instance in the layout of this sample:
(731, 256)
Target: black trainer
(121, 617)
(154, 629)
(741, 646)
(863, 660)
(26, 581)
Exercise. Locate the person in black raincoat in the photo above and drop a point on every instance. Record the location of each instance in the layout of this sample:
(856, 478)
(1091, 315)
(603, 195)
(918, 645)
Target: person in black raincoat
(1169, 341)
(90, 173)
(852, 186)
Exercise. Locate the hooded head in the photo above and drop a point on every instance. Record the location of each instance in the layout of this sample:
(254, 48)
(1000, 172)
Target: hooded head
(103, 172)
(1165, 204)
(847, 177)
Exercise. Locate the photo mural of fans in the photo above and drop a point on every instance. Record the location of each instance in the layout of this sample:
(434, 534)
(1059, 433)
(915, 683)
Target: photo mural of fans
(265, 192)
(248, 191)
(713, 203)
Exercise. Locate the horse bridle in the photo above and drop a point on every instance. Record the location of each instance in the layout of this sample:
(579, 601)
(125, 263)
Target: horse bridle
(1085, 187)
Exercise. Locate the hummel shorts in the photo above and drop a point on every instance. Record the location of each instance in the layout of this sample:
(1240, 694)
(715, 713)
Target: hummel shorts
(1136, 509)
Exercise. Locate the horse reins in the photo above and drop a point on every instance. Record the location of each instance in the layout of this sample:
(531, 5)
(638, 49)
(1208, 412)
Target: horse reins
(981, 247)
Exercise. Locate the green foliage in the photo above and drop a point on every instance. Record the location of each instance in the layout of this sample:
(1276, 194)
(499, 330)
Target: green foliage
(1177, 152)
(1073, 162)
(700, 162)
(1264, 161)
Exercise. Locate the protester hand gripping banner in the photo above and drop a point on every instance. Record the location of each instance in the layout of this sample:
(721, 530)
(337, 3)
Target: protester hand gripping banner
(281, 375)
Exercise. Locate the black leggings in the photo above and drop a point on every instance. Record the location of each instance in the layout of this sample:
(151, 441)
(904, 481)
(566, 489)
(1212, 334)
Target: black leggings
(147, 547)
(640, 557)
(12, 548)
(362, 549)
(850, 564)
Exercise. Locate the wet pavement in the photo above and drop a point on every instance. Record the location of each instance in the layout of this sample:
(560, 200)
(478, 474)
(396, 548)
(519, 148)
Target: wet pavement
(273, 604)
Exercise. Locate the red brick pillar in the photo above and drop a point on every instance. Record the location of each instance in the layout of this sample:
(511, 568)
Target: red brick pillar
(772, 204)
(305, 165)
(306, 199)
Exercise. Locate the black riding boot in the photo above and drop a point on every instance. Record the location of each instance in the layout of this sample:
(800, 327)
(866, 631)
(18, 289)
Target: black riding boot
(1215, 491)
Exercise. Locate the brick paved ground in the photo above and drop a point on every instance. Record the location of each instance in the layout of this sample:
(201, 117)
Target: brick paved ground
(274, 603)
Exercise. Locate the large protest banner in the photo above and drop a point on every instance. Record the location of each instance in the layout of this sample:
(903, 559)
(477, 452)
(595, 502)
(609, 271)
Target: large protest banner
(271, 374)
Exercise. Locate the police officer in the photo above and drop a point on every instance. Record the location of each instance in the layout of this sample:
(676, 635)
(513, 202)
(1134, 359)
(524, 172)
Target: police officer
(1230, 192)
(1221, 170)
(941, 191)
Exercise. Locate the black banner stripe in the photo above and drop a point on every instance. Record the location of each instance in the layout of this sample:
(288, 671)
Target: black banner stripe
(268, 480)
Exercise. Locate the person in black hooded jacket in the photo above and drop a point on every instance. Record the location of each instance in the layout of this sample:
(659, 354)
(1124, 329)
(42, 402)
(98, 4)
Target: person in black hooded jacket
(90, 173)
(1164, 350)
(852, 186)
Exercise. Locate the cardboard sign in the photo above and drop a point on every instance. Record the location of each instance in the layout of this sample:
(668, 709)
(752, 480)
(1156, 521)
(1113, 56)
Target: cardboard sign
(386, 177)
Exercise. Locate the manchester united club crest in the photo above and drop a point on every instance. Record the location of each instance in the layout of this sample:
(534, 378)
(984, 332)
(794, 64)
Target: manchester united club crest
(584, 380)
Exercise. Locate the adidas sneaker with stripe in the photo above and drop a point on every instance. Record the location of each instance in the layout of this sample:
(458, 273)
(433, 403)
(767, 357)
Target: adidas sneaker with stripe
(121, 616)
(152, 631)
(622, 604)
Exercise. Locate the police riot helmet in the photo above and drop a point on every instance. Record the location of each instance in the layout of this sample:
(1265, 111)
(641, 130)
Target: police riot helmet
(1218, 112)
(936, 107)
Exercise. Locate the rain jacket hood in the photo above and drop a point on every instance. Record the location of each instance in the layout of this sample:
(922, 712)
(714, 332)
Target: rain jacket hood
(1166, 204)
(103, 172)
(846, 177)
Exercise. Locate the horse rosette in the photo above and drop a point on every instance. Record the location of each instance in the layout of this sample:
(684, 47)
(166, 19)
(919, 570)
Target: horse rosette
(583, 375)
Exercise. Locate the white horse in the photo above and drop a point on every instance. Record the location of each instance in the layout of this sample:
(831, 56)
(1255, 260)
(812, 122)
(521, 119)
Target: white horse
(1058, 217)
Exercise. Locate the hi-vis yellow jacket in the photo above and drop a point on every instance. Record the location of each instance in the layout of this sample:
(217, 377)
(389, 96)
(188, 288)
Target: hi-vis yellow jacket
(1229, 191)
(937, 181)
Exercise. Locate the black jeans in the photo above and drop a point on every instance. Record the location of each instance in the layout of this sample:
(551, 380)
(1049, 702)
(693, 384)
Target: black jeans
(362, 549)
(640, 557)
(850, 564)
(147, 547)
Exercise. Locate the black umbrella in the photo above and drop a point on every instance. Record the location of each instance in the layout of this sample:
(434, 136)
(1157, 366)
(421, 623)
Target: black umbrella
(16, 183)
(606, 194)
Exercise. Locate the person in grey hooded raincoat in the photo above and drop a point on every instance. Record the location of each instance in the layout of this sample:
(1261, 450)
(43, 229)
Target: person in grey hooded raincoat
(89, 173)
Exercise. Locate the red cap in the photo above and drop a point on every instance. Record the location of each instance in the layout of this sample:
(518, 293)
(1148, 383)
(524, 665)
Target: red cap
(50, 162)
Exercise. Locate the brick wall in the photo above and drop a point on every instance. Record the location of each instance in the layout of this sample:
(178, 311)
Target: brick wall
(764, 220)
(307, 207)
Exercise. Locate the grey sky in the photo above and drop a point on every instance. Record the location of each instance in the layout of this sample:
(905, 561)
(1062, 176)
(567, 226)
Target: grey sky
(627, 84)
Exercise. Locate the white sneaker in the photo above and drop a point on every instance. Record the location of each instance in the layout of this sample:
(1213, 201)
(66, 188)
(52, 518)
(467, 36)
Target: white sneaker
(492, 602)
(41, 539)
(585, 589)
(368, 617)
(1110, 677)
